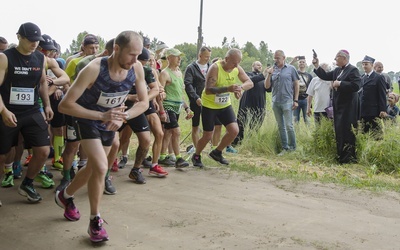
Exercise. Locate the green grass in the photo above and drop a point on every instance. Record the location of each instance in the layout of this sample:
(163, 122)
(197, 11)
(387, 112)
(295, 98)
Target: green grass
(314, 159)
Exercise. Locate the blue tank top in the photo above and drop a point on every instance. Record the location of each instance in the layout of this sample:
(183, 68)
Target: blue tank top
(20, 89)
(105, 93)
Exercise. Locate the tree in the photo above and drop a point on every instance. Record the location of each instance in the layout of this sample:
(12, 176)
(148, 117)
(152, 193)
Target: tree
(266, 56)
(251, 50)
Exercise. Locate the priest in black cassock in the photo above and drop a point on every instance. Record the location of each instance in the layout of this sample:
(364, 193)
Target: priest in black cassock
(346, 82)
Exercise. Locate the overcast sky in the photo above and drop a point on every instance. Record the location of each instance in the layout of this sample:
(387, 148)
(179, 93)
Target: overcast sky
(362, 27)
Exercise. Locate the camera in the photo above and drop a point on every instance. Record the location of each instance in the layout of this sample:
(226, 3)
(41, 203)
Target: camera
(301, 57)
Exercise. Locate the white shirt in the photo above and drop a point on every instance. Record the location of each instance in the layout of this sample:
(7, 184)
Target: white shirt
(319, 90)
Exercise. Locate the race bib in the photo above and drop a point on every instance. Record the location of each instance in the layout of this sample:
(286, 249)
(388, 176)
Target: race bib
(71, 133)
(222, 99)
(22, 96)
(112, 100)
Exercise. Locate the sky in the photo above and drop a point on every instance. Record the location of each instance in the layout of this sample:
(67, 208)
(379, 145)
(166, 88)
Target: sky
(294, 26)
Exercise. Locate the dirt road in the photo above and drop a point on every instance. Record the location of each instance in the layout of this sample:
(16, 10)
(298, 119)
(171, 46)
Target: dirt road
(209, 209)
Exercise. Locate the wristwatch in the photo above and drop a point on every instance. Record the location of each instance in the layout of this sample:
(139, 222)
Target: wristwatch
(296, 101)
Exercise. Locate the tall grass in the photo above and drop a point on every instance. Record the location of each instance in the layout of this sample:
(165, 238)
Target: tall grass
(316, 143)
(378, 166)
(380, 155)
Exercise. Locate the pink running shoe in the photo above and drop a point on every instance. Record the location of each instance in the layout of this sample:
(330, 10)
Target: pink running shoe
(70, 211)
(115, 167)
(157, 170)
(96, 231)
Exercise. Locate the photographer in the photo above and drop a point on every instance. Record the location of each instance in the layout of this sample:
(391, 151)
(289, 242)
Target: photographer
(305, 79)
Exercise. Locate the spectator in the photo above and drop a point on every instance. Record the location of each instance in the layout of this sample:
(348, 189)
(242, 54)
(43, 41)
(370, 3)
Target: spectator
(251, 110)
(284, 80)
(372, 98)
(378, 67)
(305, 79)
(392, 110)
(319, 90)
(346, 82)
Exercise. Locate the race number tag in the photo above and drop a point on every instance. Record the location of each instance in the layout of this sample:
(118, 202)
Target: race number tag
(22, 96)
(71, 133)
(112, 100)
(222, 99)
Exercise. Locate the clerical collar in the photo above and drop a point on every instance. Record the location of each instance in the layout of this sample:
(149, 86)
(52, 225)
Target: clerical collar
(343, 67)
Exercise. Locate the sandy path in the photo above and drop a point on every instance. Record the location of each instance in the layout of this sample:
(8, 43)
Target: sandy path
(209, 209)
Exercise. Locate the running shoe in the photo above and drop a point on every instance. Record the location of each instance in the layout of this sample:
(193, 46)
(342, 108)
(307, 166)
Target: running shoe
(47, 172)
(146, 163)
(181, 163)
(63, 184)
(42, 178)
(171, 157)
(8, 179)
(27, 160)
(58, 164)
(96, 231)
(157, 170)
(29, 192)
(196, 160)
(122, 162)
(17, 170)
(108, 187)
(70, 211)
(166, 162)
(217, 156)
(231, 149)
(114, 167)
(136, 176)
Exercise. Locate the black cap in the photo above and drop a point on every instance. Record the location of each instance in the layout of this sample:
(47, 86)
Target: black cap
(145, 56)
(90, 39)
(48, 43)
(146, 41)
(368, 59)
(58, 46)
(31, 31)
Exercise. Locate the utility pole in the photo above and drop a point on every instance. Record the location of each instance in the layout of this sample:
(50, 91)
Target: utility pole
(199, 29)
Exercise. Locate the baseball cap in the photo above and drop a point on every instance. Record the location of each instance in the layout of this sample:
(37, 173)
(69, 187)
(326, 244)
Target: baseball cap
(48, 43)
(173, 52)
(161, 45)
(145, 56)
(368, 59)
(57, 45)
(90, 39)
(30, 31)
(146, 41)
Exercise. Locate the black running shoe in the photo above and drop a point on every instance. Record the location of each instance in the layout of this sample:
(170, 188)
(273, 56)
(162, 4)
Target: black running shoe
(181, 163)
(196, 159)
(136, 176)
(217, 156)
(29, 192)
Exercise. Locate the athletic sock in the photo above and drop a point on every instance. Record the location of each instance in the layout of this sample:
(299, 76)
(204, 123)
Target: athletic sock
(58, 144)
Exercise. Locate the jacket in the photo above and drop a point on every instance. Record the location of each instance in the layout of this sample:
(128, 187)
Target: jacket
(194, 81)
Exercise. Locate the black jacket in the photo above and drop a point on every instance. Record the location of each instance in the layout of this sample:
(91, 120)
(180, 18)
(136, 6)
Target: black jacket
(194, 81)
(372, 95)
(345, 108)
